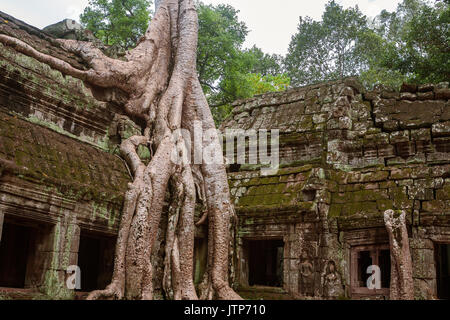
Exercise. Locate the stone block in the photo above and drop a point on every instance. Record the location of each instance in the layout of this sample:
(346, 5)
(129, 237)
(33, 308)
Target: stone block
(408, 96)
(425, 95)
(423, 263)
(408, 87)
(441, 129)
(442, 94)
(426, 87)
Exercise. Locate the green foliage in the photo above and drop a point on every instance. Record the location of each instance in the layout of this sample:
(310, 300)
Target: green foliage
(117, 22)
(408, 45)
(226, 71)
(259, 84)
(219, 56)
(264, 63)
(326, 49)
(220, 38)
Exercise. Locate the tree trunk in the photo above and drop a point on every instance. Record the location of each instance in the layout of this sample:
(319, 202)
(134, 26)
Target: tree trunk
(402, 285)
(161, 80)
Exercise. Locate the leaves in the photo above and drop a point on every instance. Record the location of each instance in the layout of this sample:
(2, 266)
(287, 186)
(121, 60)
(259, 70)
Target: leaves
(226, 71)
(408, 45)
(117, 22)
(414, 41)
(326, 49)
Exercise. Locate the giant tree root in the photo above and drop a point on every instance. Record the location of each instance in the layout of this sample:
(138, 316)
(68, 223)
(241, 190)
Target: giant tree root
(402, 285)
(161, 81)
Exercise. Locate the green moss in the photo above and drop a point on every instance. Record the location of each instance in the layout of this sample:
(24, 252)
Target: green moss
(104, 213)
(42, 78)
(444, 193)
(399, 174)
(359, 196)
(53, 286)
(374, 176)
(335, 210)
(144, 152)
(384, 205)
(295, 170)
(360, 208)
(400, 198)
(301, 163)
(436, 206)
(129, 129)
(102, 144)
(338, 176)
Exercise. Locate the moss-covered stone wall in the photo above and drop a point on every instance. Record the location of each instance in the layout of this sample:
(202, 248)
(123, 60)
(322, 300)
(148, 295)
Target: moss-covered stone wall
(60, 169)
(347, 155)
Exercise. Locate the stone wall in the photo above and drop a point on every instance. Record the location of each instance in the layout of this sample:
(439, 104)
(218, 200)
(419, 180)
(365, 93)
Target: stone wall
(60, 173)
(347, 155)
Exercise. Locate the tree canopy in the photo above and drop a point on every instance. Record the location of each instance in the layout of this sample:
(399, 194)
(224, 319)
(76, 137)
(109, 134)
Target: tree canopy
(117, 22)
(326, 49)
(410, 44)
(227, 72)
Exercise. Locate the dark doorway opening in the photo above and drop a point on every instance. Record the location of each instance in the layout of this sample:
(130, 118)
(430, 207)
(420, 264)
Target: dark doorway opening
(443, 271)
(96, 261)
(384, 261)
(364, 261)
(233, 168)
(16, 247)
(362, 257)
(265, 259)
(378, 257)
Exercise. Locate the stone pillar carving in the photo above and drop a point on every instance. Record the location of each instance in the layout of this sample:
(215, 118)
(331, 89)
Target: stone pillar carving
(65, 238)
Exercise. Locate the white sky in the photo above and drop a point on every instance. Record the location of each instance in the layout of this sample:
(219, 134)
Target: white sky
(271, 22)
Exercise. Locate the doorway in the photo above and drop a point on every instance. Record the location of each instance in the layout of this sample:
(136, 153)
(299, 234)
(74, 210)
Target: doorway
(265, 262)
(17, 246)
(96, 260)
(443, 271)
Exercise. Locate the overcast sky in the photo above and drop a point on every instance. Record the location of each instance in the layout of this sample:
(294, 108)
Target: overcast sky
(271, 22)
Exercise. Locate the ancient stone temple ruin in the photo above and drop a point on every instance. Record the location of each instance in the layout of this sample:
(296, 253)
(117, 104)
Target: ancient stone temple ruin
(347, 156)
(310, 231)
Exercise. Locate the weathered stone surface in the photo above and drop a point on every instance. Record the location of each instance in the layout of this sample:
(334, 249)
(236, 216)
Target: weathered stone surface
(69, 29)
(408, 87)
(346, 157)
(442, 94)
(74, 168)
(397, 162)
(429, 95)
(426, 87)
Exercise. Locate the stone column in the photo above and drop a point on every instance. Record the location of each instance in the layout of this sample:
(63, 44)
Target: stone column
(424, 266)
